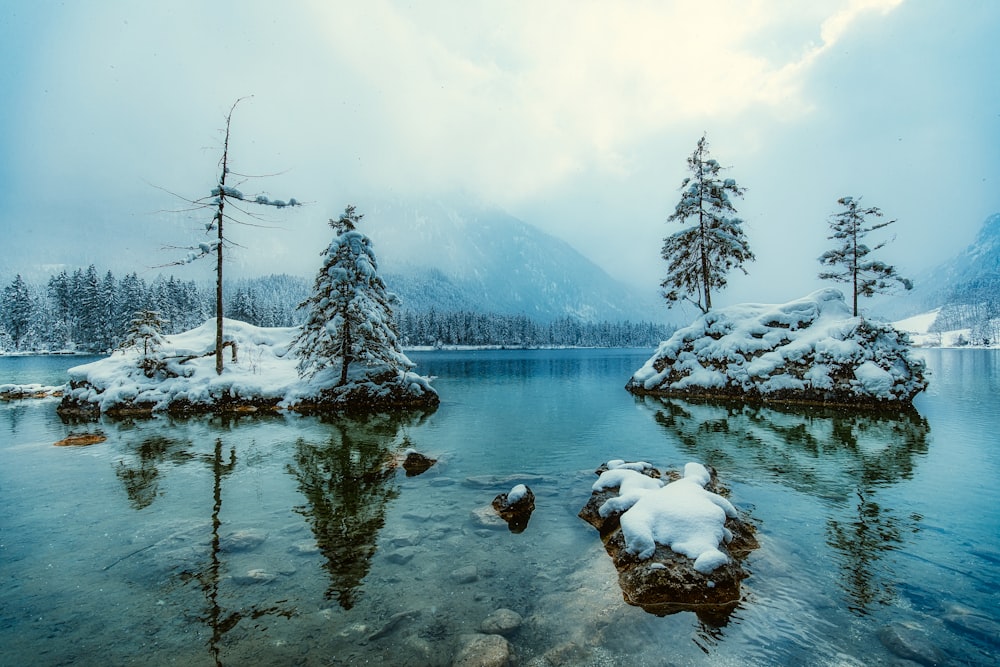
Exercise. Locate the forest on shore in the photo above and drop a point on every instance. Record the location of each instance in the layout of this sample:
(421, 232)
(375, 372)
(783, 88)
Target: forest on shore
(87, 310)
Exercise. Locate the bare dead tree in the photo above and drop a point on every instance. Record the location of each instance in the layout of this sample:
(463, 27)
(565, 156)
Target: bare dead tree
(217, 200)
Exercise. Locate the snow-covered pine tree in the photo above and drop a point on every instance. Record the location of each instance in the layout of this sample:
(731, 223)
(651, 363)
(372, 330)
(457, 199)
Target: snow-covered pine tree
(850, 258)
(145, 334)
(17, 309)
(350, 315)
(700, 257)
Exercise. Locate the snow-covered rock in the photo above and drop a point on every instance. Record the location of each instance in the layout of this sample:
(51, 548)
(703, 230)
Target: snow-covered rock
(676, 541)
(515, 507)
(811, 350)
(262, 376)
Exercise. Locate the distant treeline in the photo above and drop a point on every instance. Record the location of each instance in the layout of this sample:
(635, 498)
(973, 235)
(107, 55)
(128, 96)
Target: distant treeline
(972, 305)
(486, 329)
(87, 310)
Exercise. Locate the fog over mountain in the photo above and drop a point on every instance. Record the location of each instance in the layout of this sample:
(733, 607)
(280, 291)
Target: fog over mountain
(968, 277)
(467, 256)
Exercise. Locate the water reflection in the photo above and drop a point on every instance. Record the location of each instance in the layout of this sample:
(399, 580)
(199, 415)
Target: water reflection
(840, 457)
(216, 616)
(348, 482)
(140, 473)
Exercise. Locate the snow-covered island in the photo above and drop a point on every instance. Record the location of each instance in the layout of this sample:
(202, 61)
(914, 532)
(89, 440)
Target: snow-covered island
(346, 356)
(263, 376)
(811, 350)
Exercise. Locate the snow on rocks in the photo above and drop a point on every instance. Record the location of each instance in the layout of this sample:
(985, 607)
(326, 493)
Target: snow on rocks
(515, 507)
(676, 541)
(17, 392)
(811, 350)
(260, 374)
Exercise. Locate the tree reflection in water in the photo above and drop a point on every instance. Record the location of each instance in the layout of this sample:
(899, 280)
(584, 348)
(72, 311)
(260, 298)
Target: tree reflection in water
(141, 477)
(843, 458)
(348, 482)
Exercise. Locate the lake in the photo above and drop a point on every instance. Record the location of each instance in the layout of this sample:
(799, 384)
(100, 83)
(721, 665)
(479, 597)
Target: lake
(288, 540)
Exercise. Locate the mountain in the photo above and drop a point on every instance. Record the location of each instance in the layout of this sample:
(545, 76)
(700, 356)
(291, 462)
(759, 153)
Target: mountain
(965, 278)
(464, 256)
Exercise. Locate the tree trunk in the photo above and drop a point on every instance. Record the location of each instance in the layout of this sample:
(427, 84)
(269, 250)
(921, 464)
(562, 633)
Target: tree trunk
(218, 300)
(345, 350)
(218, 250)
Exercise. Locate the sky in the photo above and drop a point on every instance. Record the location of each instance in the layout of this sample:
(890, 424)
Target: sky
(576, 117)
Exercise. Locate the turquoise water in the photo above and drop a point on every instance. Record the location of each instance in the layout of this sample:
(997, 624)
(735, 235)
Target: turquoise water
(290, 541)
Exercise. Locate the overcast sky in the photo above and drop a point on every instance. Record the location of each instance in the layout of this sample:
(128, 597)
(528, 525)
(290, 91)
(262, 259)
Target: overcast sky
(574, 116)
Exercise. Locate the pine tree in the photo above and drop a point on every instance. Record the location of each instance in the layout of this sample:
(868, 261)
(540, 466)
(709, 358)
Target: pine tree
(350, 313)
(88, 296)
(107, 305)
(17, 312)
(700, 257)
(850, 258)
(60, 291)
(133, 296)
(145, 334)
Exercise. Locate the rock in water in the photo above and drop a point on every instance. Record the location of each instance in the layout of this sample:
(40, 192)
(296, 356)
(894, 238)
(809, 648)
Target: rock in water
(501, 622)
(483, 651)
(515, 507)
(416, 463)
(655, 576)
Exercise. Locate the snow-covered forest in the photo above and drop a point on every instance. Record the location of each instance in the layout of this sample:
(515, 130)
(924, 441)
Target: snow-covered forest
(974, 305)
(90, 310)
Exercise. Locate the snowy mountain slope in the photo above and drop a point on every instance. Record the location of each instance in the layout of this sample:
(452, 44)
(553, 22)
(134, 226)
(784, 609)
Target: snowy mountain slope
(978, 263)
(468, 257)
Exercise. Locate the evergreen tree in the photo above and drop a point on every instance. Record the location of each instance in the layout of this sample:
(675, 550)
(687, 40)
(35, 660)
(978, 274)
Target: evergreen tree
(18, 312)
(850, 259)
(63, 307)
(700, 257)
(133, 296)
(350, 313)
(88, 295)
(243, 306)
(145, 334)
(107, 331)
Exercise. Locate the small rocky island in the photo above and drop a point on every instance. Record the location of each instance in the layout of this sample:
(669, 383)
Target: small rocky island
(345, 357)
(181, 379)
(676, 541)
(811, 350)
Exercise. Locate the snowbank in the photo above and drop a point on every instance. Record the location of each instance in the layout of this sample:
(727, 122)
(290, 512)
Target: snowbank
(918, 328)
(810, 350)
(263, 376)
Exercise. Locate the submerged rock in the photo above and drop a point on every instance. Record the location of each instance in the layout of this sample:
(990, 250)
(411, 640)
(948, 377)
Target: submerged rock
(465, 575)
(807, 351)
(81, 440)
(483, 651)
(243, 540)
(693, 571)
(515, 507)
(501, 622)
(910, 642)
